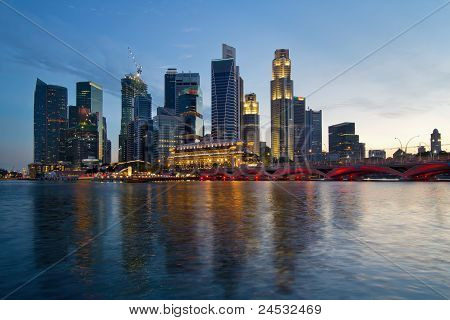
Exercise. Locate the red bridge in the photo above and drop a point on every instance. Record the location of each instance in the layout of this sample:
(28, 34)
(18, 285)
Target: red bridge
(406, 172)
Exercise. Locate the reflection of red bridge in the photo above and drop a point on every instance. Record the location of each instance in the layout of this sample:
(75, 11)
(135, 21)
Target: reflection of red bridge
(411, 171)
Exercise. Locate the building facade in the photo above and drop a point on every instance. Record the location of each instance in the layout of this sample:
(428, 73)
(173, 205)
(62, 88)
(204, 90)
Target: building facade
(344, 142)
(250, 123)
(281, 113)
(132, 87)
(225, 114)
(313, 135)
(377, 154)
(166, 127)
(82, 137)
(192, 125)
(208, 155)
(299, 109)
(140, 130)
(169, 88)
(50, 123)
(90, 95)
(183, 81)
(435, 142)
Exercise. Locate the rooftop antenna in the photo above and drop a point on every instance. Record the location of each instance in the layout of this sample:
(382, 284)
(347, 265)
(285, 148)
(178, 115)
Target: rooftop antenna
(138, 66)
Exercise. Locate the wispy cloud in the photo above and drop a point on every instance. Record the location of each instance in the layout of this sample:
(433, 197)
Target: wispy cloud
(184, 45)
(190, 29)
(185, 56)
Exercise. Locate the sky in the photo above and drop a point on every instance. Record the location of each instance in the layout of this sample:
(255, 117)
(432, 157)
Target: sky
(401, 91)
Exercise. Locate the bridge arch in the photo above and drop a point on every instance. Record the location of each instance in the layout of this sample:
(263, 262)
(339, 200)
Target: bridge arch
(356, 171)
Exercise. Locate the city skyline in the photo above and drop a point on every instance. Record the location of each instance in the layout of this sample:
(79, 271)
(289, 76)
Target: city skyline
(403, 121)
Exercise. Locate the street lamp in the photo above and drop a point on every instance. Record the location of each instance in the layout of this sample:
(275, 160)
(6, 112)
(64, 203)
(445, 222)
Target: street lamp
(406, 148)
(401, 146)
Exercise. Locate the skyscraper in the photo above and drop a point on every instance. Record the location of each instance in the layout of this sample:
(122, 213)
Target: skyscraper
(435, 142)
(166, 134)
(241, 98)
(140, 138)
(344, 142)
(169, 88)
(313, 135)
(281, 92)
(82, 135)
(185, 80)
(299, 106)
(50, 123)
(192, 126)
(132, 86)
(225, 114)
(108, 152)
(250, 123)
(90, 95)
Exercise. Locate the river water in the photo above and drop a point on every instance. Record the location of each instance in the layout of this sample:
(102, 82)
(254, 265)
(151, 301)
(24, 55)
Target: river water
(225, 240)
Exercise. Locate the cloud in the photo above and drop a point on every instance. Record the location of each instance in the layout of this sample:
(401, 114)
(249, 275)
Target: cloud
(190, 29)
(184, 45)
(185, 56)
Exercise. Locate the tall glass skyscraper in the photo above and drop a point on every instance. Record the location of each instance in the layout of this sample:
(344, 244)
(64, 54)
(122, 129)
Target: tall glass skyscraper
(192, 127)
(183, 81)
(132, 86)
(82, 136)
(313, 135)
(250, 123)
(50, 123)
(281, 113)
(90, 95)
(299, 128)
(225, 113)
(169, 88)
(139, 144)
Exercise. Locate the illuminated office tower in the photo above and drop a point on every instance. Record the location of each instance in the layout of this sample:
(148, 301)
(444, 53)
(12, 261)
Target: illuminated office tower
(140, 138)
(225, 113)
(90, 95)
(250, 123)
(82, 136)
(132, 86)
(50, 123)
(343, 141)
(166, 125)
(192, 126)
(281, 92)
(229, 52)
(183, 81)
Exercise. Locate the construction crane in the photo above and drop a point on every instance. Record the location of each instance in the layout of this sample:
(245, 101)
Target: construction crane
(138, 66)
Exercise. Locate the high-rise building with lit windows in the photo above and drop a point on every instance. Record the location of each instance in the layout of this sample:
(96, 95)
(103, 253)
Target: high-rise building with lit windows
(299, 108)
(50, 123)
(183, 81)
(313, 135)
(166, 127)
(281, 113)
(250, 123)
(225, 114)
(132, 87)
(90, 95)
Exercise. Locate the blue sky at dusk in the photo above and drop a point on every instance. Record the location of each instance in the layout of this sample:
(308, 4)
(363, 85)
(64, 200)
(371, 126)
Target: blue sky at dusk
(401, 91)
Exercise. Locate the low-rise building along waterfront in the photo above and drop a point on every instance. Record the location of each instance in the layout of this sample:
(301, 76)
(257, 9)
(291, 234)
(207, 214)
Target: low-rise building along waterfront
(206, 155)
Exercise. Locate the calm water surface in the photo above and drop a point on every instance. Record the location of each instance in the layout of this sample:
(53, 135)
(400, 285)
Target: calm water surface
(225, 240)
